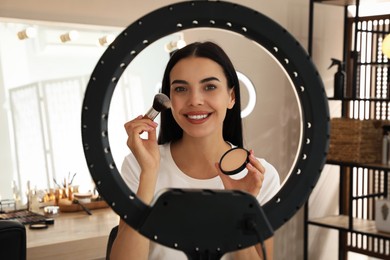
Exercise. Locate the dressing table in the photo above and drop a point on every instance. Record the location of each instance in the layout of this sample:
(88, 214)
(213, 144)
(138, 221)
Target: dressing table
(75, 235)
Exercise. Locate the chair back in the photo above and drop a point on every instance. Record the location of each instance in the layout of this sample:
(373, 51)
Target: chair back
(12, 240)
(111, 238)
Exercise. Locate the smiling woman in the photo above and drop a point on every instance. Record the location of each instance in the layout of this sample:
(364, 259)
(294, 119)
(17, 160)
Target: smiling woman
(273, 128)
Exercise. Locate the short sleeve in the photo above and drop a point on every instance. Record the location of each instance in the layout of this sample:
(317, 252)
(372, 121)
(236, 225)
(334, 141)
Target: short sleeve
(130, 172)
(271, 183)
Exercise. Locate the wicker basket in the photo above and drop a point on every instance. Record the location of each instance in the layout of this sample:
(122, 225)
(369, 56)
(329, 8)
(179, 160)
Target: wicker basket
(358, 141)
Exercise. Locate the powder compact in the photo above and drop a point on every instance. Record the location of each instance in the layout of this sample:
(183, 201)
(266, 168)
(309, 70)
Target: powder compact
(234, 160)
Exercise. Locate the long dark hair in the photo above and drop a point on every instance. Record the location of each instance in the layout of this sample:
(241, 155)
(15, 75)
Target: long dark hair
(170, 131)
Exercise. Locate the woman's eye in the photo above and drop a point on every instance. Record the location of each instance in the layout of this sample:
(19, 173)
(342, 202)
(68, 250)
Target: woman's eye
(210, 87)
(179, 89)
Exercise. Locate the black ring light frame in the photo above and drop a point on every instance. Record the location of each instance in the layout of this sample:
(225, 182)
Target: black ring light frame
(170, 220)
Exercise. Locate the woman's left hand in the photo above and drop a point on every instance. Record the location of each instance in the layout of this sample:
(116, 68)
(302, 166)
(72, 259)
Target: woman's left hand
(251, 183)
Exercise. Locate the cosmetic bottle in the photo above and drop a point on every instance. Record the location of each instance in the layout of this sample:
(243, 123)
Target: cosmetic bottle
(386, 145)
(339, 79)
(34, 207)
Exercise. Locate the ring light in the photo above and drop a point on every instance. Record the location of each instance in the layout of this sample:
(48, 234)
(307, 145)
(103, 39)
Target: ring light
(251, 94)
(295, 191)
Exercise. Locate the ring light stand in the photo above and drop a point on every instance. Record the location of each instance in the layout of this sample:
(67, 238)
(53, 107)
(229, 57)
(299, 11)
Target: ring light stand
(205, 224)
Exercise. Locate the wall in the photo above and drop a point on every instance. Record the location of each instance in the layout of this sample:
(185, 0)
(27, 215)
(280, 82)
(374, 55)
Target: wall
(5, 133)
(291, 14)
(327, 43)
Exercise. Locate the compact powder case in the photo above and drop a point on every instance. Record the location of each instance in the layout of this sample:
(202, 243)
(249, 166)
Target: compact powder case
(38, 226)
(234, 161)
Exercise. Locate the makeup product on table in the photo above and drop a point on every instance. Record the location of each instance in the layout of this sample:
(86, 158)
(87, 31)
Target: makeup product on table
(51, 210)
(87, 210)
(26, 217)
(83, 197)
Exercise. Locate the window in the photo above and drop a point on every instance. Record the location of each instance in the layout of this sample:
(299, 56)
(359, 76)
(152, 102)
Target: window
(46, 95)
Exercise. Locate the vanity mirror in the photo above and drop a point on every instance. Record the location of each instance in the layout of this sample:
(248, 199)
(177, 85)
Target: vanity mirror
(272, 116)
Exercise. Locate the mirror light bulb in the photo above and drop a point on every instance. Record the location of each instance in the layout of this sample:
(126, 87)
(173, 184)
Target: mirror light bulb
(70, 36)
(28, 33)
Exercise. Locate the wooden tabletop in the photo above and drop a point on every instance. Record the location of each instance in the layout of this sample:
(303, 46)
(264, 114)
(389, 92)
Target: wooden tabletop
(73, 236)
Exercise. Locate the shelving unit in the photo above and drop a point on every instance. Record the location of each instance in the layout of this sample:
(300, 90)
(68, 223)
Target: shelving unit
(346, 222)
(341, 222)
(360, 183)
(363, 227)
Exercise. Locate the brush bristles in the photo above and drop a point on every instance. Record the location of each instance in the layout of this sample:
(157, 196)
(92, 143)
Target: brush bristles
(161, 102)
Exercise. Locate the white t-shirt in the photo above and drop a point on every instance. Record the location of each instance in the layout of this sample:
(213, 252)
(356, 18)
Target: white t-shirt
(170, 176)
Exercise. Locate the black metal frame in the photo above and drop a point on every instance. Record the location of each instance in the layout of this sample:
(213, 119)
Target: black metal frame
(204, 14)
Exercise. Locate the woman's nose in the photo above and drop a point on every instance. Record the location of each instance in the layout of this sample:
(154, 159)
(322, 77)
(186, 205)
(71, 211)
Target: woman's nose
(195, 98)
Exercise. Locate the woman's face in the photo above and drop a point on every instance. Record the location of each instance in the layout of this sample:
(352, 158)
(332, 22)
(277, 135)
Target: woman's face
(199, 96)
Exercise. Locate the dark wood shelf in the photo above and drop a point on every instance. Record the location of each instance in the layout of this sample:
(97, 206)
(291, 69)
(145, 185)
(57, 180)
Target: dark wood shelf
(340, 222)
(373, 31)
(374, 166)
(349, 2)
(373, 63)
(360, 99)
(337, 2)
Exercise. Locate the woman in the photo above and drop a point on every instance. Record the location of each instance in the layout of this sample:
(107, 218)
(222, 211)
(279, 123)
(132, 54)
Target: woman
(203, 123)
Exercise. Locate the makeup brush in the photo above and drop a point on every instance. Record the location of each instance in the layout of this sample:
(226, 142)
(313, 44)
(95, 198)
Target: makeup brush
(161, 102)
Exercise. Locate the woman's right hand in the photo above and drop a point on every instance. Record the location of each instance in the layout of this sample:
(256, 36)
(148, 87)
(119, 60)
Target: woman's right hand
(145, 150)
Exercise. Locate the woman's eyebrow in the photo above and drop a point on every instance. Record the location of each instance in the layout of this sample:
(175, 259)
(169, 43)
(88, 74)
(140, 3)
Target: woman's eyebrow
(209, 79)
(179, 81)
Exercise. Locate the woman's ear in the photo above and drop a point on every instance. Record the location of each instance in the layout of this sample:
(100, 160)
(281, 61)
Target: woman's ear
(232, 100)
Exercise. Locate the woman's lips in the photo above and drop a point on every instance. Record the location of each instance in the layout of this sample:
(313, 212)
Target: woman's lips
(197, 117)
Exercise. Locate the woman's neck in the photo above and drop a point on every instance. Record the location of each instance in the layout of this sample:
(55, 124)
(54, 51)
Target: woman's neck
(196, 157)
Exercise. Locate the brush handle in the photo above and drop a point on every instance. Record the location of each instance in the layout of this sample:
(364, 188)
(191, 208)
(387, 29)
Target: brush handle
(83, 207)
(151, 114)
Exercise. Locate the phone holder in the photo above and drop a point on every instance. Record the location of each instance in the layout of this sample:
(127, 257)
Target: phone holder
(206, 224)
